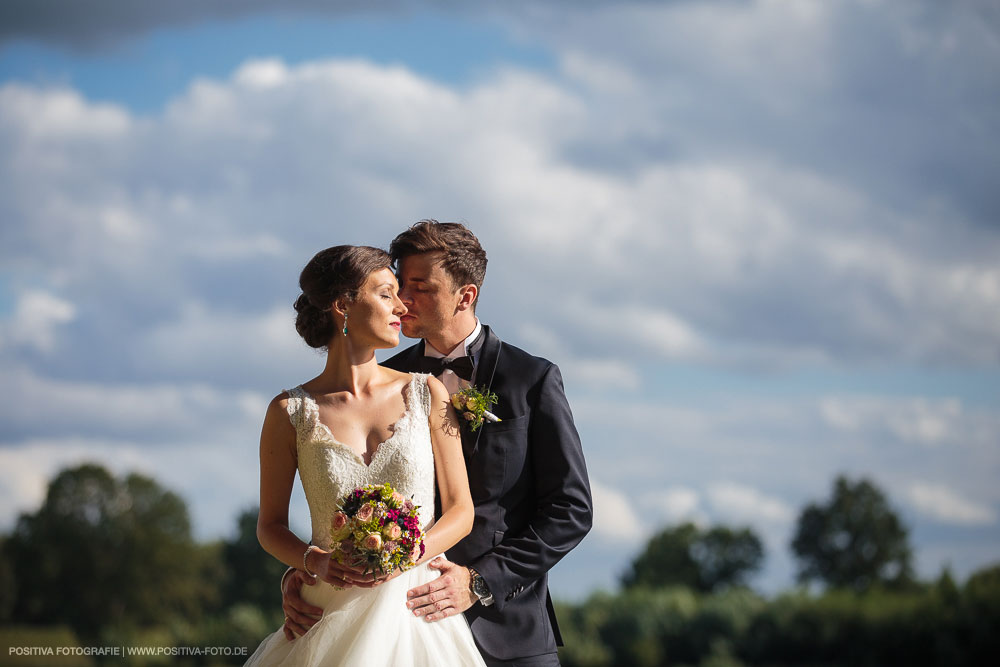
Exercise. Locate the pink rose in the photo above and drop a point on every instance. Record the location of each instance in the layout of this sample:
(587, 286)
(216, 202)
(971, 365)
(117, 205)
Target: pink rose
(398, 497)
(417, 552)
(366, 512)
(392, 531)
(372, 542)
(339, 521)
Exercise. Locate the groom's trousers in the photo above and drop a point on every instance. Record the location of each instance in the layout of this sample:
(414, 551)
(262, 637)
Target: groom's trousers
(545, 660)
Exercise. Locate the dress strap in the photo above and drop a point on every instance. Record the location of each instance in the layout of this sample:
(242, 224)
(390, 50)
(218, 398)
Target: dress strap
(419, 393)
(298, 407)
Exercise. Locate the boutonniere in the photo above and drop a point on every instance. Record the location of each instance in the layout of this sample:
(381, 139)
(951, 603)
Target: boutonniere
(473, 404)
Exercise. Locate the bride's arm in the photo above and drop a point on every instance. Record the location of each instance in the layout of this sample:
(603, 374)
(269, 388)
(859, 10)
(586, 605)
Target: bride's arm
(277, 474)
(457, 511)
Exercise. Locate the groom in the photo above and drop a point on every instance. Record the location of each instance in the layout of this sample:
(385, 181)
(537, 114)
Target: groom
(526, 472)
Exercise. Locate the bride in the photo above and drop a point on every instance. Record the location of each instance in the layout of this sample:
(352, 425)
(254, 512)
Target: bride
(359, 423)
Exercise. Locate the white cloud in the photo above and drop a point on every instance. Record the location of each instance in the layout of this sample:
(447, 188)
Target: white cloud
(246, 249)
(36, 320)
(917, 421)
(615, 518)
(61, 117)
(941, 503)
(708, 260)
(214, 343)
(738, 502)
(608, 373)
(658, 331)
(149, 412)
(674, 504)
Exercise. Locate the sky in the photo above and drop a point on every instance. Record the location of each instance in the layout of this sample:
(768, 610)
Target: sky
(760, 238)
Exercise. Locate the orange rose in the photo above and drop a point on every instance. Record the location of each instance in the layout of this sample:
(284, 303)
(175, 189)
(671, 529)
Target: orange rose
(392, 531)
(372, 542)
(366, 512)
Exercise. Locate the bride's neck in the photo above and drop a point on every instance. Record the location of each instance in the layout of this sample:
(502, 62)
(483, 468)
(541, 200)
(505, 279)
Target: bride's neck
(348, 368)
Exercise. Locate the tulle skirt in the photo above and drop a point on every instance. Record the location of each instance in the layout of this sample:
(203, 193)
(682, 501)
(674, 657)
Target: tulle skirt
(371, 627)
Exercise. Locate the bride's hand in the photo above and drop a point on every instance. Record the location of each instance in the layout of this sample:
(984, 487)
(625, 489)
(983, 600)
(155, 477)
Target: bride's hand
(382, 578)
(337, 574)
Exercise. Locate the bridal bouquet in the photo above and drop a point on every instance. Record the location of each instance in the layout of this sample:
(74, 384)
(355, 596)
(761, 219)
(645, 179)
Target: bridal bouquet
(378, 529)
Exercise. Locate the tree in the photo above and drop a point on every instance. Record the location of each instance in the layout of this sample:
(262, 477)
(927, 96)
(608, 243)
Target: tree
(103, 551)
(855, 540)
(726, 557)
(706, 561)
(252, 573)
(6, 583)
(981, 613)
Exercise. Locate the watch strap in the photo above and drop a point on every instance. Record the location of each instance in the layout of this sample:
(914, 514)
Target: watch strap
(480, 588)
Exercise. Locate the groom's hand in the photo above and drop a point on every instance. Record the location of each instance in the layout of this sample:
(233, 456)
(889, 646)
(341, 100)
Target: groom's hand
(299, 614)
(447, 595)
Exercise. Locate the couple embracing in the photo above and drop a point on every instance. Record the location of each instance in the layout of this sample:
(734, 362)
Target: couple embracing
(511, 495)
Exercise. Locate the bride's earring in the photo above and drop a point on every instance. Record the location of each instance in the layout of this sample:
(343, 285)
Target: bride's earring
(345, 325)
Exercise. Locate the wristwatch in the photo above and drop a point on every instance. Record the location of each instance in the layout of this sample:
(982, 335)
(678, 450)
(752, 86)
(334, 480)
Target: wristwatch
(480, 588)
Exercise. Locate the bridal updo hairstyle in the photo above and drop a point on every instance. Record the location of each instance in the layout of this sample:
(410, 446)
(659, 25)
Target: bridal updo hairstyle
(333, 273)
(463, 259)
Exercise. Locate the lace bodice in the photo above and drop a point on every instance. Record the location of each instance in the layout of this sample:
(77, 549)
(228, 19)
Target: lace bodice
(330, 469)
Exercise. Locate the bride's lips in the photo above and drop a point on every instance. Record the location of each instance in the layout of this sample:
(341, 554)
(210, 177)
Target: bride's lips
(394, 325)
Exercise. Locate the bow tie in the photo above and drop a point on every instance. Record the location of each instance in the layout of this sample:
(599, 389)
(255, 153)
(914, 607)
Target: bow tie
(460, 366)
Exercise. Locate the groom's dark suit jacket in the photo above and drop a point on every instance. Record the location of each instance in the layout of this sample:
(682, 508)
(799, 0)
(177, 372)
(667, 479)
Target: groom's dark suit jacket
(532, 496)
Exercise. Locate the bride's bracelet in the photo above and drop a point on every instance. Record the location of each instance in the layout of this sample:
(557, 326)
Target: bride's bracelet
(305, 559)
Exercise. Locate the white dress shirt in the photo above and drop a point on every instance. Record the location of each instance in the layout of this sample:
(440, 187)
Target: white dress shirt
(452, 382)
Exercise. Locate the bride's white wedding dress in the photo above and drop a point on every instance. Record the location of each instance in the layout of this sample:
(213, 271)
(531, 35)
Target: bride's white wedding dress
(368, 627)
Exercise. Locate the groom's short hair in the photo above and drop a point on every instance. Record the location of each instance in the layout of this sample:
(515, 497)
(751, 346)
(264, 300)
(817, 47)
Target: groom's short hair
(463, 258)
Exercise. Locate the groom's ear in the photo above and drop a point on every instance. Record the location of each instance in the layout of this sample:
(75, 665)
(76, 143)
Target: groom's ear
(467, 296)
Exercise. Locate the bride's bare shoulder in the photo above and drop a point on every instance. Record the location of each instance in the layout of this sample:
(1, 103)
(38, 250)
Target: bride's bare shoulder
(395, 377)
(280, 402)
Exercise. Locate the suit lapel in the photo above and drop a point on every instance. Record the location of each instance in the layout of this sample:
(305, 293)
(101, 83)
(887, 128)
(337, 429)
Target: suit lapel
(485, 370)
(409, 360)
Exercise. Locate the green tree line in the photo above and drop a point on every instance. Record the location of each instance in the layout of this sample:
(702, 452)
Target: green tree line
(684, 599)
(111, 561)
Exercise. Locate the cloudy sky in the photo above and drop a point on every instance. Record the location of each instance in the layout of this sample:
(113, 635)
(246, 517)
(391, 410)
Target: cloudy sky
(761, 239)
